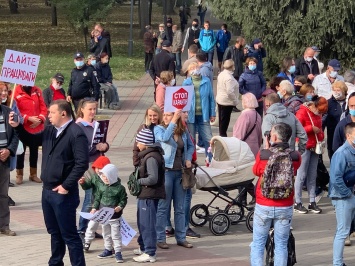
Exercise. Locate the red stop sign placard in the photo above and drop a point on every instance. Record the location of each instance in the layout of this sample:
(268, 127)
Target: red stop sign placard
(180, 98)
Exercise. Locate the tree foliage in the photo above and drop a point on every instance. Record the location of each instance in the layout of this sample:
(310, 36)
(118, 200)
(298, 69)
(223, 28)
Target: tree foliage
(286, 27)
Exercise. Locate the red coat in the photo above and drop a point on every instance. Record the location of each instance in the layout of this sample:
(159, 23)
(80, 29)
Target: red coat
(261, 160)
(303, 117)
(31, 106)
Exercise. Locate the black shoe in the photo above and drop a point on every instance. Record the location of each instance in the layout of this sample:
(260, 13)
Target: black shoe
(192, 234)
(252, 202)
(11, 202)
(312, 207)
(235, 109)
(97, 235)
(11, 184)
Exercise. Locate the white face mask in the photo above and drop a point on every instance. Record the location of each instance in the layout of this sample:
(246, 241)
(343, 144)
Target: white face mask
(309, 59)
(3, 100)
(333, 74)
(172, 82)
(56, 85)
(337, 95)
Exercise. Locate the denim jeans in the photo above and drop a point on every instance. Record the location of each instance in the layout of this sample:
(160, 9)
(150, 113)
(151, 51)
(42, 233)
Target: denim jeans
(175, 192)
(203, 128)
(209, 56)
(83, 223)
(263, 217)
(59, 213)
(307, 169)
(146, 221)
(177, 56)
(344, 211)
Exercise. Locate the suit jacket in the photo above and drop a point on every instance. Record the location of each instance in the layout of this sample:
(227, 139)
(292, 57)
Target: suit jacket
(65, 158)
(303, 69)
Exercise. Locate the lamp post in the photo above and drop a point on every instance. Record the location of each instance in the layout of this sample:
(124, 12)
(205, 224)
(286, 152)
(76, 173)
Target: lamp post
(130, 41)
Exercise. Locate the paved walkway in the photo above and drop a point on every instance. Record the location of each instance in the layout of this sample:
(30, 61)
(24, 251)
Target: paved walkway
(313, 233)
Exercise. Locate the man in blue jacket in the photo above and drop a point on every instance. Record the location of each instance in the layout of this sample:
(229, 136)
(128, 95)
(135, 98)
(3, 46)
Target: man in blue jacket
(257, 51)
(223, 37)
(207, 41)
(342, 181)
(64, 161)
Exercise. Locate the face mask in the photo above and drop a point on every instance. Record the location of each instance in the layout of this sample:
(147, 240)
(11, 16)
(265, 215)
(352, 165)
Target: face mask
(292, 69)
(333, 74)
(79, 63)
(55, 86)
(352, 112)
(195, 25)
(309, 59)
(309, 97)
(195, 72)
(93, 62)
(297, 88)
(280, 95)
(337, 95)
(316, 112)
(252, 67)
(3, 100)
(172, 82)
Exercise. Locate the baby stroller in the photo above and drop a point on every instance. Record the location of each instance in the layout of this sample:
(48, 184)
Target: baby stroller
(230, 168)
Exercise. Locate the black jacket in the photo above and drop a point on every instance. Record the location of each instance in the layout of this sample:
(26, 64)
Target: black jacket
(83, 83)
(302, 68)
(65, 159)
(238, 57)
(163, 61)
(104, 73)
(102, 46)
(12, 139)
(48, 95)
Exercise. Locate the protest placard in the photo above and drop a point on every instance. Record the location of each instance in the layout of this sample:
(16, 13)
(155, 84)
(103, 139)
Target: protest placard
(100, 131)
(19, 68)
(102, 216)
(178, 97)
(127, 232)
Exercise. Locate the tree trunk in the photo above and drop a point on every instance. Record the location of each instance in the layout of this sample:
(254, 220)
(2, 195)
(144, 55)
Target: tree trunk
(47, 3)
(54, 15)
(85, 32)
(150, 12)
(170, 7)
(139, 17)
(144, 15)
(13, 6)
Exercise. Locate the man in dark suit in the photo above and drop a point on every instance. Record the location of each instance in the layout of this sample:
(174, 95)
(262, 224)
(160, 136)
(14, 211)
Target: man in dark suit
(65, 159)
(307, 66)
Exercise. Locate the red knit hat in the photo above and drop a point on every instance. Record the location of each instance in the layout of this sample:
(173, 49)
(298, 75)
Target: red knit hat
(100, 162)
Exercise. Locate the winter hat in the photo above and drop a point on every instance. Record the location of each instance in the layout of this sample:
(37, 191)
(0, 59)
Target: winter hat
(100, 162)
(169, 20)
(166, 43)
(256, 41)
(111, 172)
(145, 136)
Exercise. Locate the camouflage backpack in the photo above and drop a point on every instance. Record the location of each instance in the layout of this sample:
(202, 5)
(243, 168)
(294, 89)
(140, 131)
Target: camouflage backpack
(277, 180)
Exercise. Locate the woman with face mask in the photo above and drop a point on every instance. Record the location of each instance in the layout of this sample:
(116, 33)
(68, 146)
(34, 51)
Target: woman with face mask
(306, 92)
(166, 80)
(336, 106)
(288, 69)
(310, 116)
(55, 91)
(253, 81)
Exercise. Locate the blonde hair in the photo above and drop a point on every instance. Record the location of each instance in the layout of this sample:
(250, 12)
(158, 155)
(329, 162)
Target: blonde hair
(155, 108)
(341, 85)
(192, 66)
(82, 104)
(166, 77)
(249, 101)
(228, 64)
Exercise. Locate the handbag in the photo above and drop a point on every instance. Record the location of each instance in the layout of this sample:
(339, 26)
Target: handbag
(20, 148)
(322, 174)
(133, 186)
(188, 178)
(320, 146)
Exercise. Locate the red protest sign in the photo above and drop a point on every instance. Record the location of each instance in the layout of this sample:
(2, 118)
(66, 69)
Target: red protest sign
(180, 98)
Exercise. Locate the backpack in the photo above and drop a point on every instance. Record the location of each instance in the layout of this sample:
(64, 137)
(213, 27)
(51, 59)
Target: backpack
(277, 179)
(270, 245)
(133, 186)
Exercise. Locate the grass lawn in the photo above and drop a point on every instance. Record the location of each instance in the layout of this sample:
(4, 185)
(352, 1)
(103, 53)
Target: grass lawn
(31, 31)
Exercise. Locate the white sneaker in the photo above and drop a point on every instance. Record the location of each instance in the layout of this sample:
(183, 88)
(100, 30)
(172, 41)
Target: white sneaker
(145, 258)
(197, 147)
(138, 251)
(201, 150)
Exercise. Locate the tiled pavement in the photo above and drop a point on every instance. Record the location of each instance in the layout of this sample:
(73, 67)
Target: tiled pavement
(313, 233)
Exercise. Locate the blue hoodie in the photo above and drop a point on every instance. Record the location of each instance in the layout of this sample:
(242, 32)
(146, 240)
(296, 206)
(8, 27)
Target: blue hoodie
(222, 40)
(207, 40)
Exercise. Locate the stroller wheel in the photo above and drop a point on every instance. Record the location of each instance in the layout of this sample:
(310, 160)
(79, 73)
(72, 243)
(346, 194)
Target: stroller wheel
(199, 215)
(249, 220)
(219, 223)
(235, 213)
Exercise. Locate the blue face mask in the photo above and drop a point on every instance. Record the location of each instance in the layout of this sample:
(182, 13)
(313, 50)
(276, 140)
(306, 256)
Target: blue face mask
(79, 63)
(252, 67)
(280, 95)
(309, 97)
(93, 62)
(292, 69)
(352, 112)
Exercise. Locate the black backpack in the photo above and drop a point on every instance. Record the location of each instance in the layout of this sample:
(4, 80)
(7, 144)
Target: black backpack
(270, 245)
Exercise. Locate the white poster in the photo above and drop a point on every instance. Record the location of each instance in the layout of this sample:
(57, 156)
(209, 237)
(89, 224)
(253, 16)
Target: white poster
(19, 68)
(127, 232)
(102, 216)
(178, 97)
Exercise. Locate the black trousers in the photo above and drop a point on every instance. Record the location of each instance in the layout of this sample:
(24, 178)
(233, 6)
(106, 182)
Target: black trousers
(4, 200)
(20, 163)
(224, 116)
(147, 60)
(260, 109)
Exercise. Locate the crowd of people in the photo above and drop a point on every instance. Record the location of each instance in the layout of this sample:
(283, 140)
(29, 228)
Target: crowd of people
(283, 121)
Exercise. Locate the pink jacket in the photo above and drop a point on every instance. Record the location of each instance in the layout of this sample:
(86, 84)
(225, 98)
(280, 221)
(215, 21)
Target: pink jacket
(160, 96)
